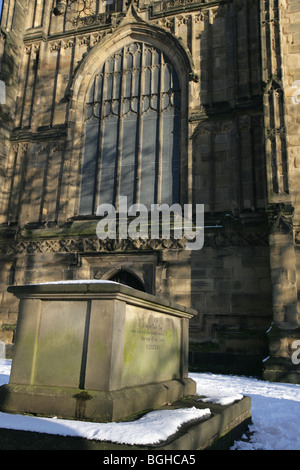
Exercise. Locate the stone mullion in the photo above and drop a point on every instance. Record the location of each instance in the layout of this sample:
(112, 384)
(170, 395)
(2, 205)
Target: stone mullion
(10, 14)
(241, 128)
(243, 59)
(277, 39)
(278, 142)
(11, 179)
(282, 142)
(274, 66)
(42, 207)
(38, 14)
(25, 87)
(31, 86)
(2, 46)
(100, 142)
(255, 61)
(248, 149)
(101, 6)
(247, 26)
(69, 176)
(140, 127)
(264, 40)
(18, 182)
(210, 65)
(270, 150)
(35, 74)
(268, 43)
(65, 180)
(274, 51)
(30, 189)
(212, 189)
(160, 131)
(64, 70)
(71, 71)
(253, 129)
(192, 34)
(120, 135)
(48, 199)
(235, 52)
(32, 11)
(238, 166)
(268, 99)
(4, 17)
(65, 19)
(55, 85)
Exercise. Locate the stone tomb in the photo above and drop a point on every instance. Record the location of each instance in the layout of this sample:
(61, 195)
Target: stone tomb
(99, 351)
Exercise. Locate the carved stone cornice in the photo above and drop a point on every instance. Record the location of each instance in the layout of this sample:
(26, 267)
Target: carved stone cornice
(214, 237)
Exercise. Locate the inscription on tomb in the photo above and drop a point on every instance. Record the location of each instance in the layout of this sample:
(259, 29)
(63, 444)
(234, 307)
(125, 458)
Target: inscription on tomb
(152, 333)
(151, 346)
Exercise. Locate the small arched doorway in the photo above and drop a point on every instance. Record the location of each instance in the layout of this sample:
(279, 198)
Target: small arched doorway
(128, 279)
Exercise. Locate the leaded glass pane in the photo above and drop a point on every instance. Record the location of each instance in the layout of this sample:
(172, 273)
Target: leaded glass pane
(133, 102)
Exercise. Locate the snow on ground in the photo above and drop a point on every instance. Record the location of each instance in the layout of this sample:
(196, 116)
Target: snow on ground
(275, 415)
(275, 409)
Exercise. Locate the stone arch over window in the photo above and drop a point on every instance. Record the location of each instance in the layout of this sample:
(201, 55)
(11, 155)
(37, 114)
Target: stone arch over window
(78, 94)
(128, 279)
(132, 130)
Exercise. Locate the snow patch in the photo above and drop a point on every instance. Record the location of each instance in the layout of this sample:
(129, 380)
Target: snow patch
(222, 399)
(152, 428)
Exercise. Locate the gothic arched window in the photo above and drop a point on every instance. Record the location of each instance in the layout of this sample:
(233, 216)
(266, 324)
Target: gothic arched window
(132, 131)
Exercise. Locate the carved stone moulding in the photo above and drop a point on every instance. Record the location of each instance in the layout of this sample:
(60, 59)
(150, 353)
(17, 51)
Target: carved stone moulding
(214, 238)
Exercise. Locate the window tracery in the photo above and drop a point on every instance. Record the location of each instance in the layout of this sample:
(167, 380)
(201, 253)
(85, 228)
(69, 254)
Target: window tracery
(132, 130)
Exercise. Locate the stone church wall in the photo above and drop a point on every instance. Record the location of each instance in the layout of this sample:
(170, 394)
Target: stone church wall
(229, 136)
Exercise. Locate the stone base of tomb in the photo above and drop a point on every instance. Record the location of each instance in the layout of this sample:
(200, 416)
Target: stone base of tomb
(92, 405)
(225, 425)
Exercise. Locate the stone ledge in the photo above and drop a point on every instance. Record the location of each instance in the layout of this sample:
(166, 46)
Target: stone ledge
(225, 425)
(99, 289)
